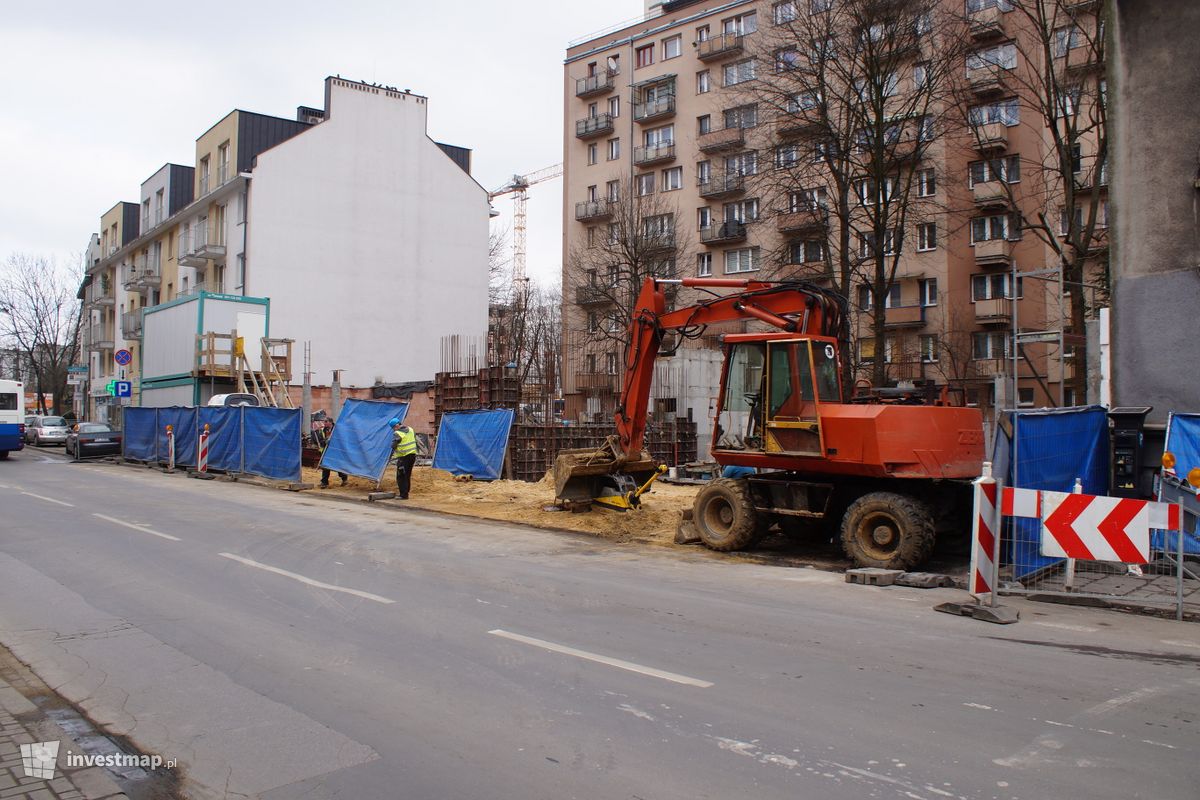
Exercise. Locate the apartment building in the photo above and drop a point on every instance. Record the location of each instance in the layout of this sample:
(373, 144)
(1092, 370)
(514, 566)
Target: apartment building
(334, 215)
(687, 113)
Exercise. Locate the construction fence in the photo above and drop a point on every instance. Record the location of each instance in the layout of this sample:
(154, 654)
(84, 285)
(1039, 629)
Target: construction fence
(256, 441)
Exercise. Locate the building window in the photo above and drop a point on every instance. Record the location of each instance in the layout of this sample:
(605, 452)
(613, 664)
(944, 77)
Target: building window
(741, 117)
(806, 252)
(593, 321)
(704, 265)
(703, 217)
(742, 163)
(612, 191)
(591, 236)
(994, 287)
(1025, 396)
(593, 153)
(927, 344)
(204, 176)
(866, 244)
(1067, 38)
(703, 82)
(743, 259)
(926, 183)
(866, 349)
(703, 171)
(784, 12)
(787, 156)
(702, 33)
(989, 344)
(704, 124)
(819, 6)
(610, 363)
(1006, 112)
(1003, 56)
(991, 228)
(927, 292)
(926, 236)
(614, 233)
(614, 107)
(223, 171)
(741, 211)
(1065, 221)
(868, 193)
(787, 59)
(1006, 170)
(614, 149)
(644, 56)
(866, 299)
(659, 225)
(644, 184)
(672, 48)
(672, 179)
(920, 76)
(739, 72)
(740, 25)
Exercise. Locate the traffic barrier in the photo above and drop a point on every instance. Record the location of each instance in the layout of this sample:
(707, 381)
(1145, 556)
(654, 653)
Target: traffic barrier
(170, 448)
(985, 536)
(202, 457)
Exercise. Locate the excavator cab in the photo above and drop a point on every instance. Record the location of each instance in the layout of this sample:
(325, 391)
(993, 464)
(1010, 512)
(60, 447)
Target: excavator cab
(774, 385)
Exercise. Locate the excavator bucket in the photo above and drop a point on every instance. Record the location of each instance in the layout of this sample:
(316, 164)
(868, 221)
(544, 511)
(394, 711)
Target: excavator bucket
(581, 476)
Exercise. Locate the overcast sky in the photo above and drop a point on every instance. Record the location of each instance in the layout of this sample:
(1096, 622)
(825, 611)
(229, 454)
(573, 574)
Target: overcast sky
(94, 98)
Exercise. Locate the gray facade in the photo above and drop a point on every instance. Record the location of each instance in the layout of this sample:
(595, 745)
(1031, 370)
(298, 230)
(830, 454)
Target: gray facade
(1154, 90)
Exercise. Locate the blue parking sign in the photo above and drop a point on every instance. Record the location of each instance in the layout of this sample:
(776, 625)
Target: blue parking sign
(123, 389)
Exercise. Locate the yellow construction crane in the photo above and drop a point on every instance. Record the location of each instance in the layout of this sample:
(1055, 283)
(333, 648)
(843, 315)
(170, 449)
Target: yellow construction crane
(518, 187)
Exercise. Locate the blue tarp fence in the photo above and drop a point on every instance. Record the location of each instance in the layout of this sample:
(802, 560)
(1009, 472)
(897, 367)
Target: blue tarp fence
(259, 441)
(1183, 441)
(1053, 448)
(362, 439)
(473, 442)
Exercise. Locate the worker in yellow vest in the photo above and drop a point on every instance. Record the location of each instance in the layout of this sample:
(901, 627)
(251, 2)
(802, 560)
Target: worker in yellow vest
(404, 450)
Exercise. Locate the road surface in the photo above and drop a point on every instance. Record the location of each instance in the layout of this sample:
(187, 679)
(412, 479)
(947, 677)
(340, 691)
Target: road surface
(285, 646)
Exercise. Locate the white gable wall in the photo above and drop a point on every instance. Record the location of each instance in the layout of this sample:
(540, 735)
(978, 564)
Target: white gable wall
(369, 240)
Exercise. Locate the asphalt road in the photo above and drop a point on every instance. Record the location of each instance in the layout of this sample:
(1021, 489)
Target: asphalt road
(284, 646)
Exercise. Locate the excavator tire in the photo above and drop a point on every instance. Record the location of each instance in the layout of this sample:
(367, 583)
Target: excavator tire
(725, 517)
(888, 530)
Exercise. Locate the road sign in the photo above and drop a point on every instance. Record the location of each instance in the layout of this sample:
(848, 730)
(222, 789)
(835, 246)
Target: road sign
(76, 379)
(122, 389)
(123, 357)
(78, 369)
(1034, 337)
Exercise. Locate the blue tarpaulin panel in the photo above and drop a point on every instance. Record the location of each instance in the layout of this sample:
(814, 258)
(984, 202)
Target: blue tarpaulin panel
(224, 437)
(183, 421)
(1054, 447)
(271, 442)
(362, 440)
(1183, 441)
(473, 442)
(140, 437)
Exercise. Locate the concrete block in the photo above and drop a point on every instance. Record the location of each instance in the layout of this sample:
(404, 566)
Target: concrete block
(686, 533)
(373, 496)
(1000, 615)
(202, 476)
(924, 580)
(14, 702)
(299, 487)
(873, 576)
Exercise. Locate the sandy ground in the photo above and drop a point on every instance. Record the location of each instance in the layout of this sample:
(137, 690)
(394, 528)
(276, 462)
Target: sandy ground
(525, 503)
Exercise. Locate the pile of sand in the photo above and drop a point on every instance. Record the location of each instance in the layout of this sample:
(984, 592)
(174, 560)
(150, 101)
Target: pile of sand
(526, 503)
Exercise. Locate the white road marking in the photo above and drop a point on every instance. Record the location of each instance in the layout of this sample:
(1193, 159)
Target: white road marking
(1063, 626)
(978, 705)
(49, 499)
(137, 528)
(1181, 643)
(599, 659)
(320, 585)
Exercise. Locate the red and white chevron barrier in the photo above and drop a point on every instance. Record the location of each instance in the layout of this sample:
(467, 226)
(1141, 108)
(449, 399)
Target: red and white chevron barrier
(985, 535)
(1092, 527)
(202, 457)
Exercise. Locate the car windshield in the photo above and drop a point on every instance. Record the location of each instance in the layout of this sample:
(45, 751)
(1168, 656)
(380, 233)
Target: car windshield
(53, 422)
(93, 427)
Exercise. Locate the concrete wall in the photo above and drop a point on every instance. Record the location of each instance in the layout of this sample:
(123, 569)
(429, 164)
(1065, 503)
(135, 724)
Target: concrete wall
(1154, 89)
(370, 241)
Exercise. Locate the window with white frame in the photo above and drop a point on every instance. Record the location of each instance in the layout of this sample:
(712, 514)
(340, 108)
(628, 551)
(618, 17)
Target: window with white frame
(1065, 220)
(989, 345)
(927, 346)
(672, 179)
(866, 349)
(926, 183)
(866, 243)
(995, 286)
(787, 59)
(659, 225)
(744, 259)
(784, 12)
(740, 25)
(741, 211)
(920, 76)
(741, 116)
(656, 137)
(923, 24)
(866, 299)
(702, 33)
(992, 228)
(672, 47)
(787, 156)
(926, 236)
(704, 265)
(803, 101)
(806, 251)
(614, 233)
(592, 153)
(610, 363)
(742, 163)
(927, 294)
(808, 199)
(643, 184)
(1066, 101)
(614, 149)
(612, 190)
(1005, 170)
(704, 124)
(1067, 38)
(926, 130)
(614, 106)
(868, 193)
(593, 194)
(819, 6)
(1006, 112)
(703, 217)
(703, 171)
(981, 5)
(739, 72)
(1001, 56)
(703, 82)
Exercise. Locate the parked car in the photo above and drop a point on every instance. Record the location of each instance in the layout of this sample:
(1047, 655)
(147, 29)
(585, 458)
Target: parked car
(93, 439)
(46, 430)
(234, 399)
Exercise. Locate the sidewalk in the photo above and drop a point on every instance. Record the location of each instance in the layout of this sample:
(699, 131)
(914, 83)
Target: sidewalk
(21, 722)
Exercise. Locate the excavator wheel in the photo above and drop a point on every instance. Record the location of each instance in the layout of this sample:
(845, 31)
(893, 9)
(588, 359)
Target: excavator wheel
(888, 530)
(724, 516)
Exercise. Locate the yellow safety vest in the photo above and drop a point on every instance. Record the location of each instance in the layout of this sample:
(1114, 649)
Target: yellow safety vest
(405, 443)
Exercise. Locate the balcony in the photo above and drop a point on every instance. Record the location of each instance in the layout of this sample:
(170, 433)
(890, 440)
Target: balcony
(225, 173)
(904, 317)
(656, 242)
(986, 23)
(141, 276)
(101, 294)
(209, 244)
(658, 108)
(803, 220)
(591, 127)
(990, 195)
(131, 324)
(590, 210)
(715, 48)
(993, 253)
(654, 154)
(986, 81)
(991, 367)
(724, 139)
(997, 311)
(600, 83)
(205, 184)
(726, 232)
(101, 337)
(593, 295)
(991, 137)
(814, 271)
(597, 381)
(795, 125)
(722, 186)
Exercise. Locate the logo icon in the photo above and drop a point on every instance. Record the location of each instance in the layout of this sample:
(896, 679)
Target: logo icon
(38, 759)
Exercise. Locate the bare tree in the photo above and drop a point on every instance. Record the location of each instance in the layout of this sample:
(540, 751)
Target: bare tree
(499, 265)
(856, 90)
(40, 317)
(1048, 72)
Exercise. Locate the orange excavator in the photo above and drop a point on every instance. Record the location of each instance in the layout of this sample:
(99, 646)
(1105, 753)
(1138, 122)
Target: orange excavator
(884, 476)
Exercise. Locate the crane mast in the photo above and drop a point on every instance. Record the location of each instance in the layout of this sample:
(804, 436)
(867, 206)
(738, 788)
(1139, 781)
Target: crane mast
(518, 187)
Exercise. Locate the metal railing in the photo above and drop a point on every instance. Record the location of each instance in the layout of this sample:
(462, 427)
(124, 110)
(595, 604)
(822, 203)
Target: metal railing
(651, 109)
(654, 153)
(731, 231)
(595, 84)
(720, 46)
(594, 125)
(593, 209)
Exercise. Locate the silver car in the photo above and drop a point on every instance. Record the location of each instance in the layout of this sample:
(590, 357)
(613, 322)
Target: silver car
(47, 430)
